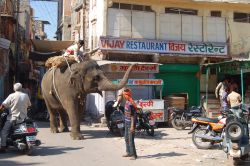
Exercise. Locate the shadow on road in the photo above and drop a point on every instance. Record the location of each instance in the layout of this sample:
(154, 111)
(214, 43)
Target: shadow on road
(162, 155)
(38, 151)
(52, 150)
(12, 163)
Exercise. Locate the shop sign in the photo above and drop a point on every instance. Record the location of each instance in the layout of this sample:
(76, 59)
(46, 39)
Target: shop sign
(147, 68)
(151, 104)
(145, 82)
(162, 46)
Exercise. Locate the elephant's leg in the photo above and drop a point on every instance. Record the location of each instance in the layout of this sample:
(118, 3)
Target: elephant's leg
(74, 118)
(53, 121)
(63, 121)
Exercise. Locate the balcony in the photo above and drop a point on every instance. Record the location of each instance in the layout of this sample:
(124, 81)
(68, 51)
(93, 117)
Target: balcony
(7, 8)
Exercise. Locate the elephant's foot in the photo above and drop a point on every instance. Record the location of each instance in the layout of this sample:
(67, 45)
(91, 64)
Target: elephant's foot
(65, 129)
(54, 130)
(76, 136)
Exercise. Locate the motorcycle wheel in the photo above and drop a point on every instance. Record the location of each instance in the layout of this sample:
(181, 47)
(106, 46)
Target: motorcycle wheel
(150, 131)
(198, 142)
(176, 124)
(234, 130)
(29, 150)
(121, 132)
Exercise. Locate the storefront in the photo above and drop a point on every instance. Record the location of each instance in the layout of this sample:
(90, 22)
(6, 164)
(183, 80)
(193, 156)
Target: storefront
(180, 69)
(4, 65)
(236, 70)
(181, 79)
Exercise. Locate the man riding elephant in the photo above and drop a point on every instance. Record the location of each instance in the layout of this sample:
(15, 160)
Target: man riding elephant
(65, 93)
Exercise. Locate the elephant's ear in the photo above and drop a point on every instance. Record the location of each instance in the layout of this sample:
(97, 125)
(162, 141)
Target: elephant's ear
(73, 77)
(75, 80)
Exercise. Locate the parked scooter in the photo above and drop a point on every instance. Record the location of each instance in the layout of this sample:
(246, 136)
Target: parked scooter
(114, 118)
(180, 119)
(207, 131)
(236, 138)
(22, 135)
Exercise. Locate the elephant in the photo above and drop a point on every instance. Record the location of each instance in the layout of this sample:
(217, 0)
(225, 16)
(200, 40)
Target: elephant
(65, 93)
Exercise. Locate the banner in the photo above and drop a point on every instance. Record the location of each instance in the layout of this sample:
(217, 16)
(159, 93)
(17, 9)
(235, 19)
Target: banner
(162, 46)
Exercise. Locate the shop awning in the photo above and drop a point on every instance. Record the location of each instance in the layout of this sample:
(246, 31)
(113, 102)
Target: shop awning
(48, 46)
(39, 56)
(235, 66)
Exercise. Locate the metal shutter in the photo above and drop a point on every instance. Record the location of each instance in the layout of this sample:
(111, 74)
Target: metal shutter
(216, 29)
(170, 27)
(143, 24)
(191, 28)
(119, 23)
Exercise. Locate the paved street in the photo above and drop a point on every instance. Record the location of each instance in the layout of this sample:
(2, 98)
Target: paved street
(101, 149)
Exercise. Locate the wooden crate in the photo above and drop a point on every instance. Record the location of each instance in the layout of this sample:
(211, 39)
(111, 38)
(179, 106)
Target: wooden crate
(177, 102)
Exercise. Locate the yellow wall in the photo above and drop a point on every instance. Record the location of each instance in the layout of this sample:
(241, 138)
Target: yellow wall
(238, 33)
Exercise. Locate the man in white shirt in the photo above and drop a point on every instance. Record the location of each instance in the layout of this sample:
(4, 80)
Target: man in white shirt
(73, 50)
(17, 103)
(234, 98)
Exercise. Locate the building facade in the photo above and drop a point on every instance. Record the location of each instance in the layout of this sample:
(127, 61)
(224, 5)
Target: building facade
(7, 40)
(181, 35)
(15, 42)
(64, 20)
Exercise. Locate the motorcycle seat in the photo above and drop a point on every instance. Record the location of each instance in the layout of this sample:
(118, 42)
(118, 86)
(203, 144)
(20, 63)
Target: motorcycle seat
(195, 111)
(213, 120)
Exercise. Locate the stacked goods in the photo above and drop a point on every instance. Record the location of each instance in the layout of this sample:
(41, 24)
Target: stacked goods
(213, 108)
(177, 102)
(59, 61)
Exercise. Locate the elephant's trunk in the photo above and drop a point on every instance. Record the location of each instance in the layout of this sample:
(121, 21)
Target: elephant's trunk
(107, 85)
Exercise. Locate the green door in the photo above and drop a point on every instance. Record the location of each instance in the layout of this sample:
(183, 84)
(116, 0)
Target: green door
(181, 78)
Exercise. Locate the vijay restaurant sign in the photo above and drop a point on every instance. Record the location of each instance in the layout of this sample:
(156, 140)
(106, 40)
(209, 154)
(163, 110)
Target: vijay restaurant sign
(162, 46)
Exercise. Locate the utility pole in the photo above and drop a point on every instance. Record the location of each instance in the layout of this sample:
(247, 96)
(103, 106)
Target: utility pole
(17, 38)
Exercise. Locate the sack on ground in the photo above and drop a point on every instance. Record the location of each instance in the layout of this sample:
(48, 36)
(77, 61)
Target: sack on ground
(59, 61)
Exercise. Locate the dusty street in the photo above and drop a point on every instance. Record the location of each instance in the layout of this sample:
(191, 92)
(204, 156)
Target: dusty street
(102, 149)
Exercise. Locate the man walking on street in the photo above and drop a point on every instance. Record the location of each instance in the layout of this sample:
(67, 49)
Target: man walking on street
(130, 117)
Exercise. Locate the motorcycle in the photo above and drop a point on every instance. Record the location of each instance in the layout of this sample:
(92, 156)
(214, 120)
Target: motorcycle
(115, 120)
(180, 119)
(207, 131)
(145, 122)
(22, 135)
(236, 134)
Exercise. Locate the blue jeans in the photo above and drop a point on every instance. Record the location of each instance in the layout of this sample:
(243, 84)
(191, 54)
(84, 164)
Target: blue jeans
(129, 140)
(5, 132)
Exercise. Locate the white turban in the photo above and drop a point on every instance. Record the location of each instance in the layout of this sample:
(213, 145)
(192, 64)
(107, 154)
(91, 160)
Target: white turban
(17, 87)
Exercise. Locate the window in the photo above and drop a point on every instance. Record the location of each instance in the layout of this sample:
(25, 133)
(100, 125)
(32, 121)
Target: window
(125, 6)
(115, 5)
(242, 17)
(78, 20)
(94, 36)
(131, 7)
(181, 11)
(215, 13)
